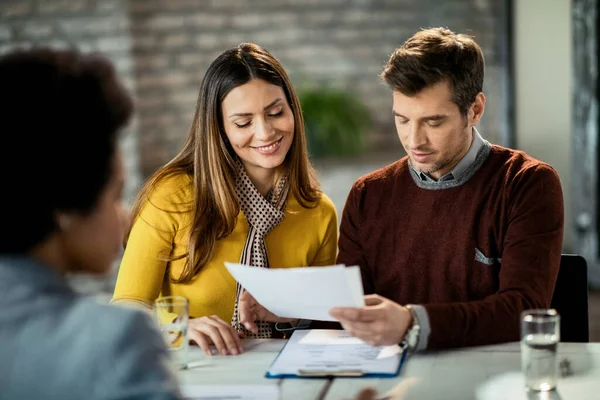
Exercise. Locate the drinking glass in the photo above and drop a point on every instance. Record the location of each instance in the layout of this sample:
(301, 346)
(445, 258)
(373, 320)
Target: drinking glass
(540, 335)
(172, 315)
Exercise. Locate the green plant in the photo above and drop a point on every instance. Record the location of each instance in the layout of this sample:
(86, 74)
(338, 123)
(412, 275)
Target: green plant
(336, 121)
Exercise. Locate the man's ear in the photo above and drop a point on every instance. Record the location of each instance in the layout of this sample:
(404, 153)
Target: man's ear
(476, 109)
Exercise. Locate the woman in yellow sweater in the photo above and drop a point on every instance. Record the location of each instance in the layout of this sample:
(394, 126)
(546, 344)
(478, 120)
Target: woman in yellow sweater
(242, 189)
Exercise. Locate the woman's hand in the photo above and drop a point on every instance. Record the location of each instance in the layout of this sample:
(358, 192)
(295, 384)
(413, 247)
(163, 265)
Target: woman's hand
(250, 312)
(213, 330)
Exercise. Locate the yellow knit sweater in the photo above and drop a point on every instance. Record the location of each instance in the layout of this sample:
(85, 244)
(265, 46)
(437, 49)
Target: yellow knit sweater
(305, 237)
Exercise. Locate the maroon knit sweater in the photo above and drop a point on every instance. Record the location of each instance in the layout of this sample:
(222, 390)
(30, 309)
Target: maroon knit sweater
(474, 255)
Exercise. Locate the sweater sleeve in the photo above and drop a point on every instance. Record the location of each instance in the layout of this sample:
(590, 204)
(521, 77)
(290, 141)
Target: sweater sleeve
(530, 260)
(350, 248)
(149, 245)
(134, 362)
(327, 251)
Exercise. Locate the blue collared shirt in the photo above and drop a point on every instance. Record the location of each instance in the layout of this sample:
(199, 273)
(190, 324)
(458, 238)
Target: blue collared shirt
(57, 344)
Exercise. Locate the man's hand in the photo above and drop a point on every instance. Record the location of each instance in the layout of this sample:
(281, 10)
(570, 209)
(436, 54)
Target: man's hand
(250, 312)
(380, 323)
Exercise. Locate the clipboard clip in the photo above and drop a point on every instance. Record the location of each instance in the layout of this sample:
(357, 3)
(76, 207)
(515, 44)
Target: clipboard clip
(325, 373)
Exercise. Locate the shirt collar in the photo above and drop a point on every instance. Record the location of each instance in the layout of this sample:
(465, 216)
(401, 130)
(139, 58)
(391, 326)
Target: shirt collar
(24, 270)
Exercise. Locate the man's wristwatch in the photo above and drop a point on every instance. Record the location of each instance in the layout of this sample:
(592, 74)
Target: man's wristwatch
(411, 338)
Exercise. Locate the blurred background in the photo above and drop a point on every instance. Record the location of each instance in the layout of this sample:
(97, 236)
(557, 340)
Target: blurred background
(540, 83)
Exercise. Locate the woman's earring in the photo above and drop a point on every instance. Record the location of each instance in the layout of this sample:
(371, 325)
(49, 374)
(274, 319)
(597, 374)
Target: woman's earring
(64, 222)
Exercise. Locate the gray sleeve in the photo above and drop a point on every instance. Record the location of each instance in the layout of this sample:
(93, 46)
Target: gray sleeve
(140, 366)
(423, 320)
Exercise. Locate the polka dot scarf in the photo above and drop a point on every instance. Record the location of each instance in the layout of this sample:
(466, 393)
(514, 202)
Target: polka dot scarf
(263, 214)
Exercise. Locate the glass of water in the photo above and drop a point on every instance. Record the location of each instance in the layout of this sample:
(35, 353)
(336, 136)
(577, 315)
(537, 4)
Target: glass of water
(172, 315)
(540, 334)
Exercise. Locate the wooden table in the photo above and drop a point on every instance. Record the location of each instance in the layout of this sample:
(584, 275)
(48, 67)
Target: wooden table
(482, 373)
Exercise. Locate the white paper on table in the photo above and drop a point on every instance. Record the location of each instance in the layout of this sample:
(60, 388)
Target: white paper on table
(338, 337)
(306, 292)
(230, 392)
(333, 351)
(329, 337)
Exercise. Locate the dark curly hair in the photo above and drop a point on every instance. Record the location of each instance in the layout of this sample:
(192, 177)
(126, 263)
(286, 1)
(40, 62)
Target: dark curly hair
(61, 112)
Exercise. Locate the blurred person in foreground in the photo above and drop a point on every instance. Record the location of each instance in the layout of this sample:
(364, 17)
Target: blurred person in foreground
(458, 237)
(63, 177)
(243, 190)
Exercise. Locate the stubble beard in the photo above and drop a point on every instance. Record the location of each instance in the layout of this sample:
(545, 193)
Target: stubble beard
(451, 160)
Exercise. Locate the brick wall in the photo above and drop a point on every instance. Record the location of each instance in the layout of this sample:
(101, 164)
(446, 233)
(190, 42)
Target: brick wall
(91, 26)
(162, 49)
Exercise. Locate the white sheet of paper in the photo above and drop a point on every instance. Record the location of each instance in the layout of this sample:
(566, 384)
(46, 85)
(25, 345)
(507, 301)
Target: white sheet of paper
(334, 337)
(326, 336)
(307, 292)
(333, 351)
(230, 392)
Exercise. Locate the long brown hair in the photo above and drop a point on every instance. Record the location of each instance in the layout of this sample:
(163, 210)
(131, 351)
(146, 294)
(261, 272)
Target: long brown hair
(208, 158)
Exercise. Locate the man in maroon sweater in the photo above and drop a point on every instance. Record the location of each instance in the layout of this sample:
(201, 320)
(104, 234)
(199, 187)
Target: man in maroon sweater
(460, 236)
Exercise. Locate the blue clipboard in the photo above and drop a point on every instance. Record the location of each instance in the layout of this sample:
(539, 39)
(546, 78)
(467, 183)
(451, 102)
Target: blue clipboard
(342, 372)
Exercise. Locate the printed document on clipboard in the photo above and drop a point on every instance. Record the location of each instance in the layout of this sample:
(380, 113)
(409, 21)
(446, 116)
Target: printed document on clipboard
(334, 353)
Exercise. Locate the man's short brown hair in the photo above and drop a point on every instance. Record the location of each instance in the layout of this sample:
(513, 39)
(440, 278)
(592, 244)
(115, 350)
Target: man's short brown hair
(434, 55)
